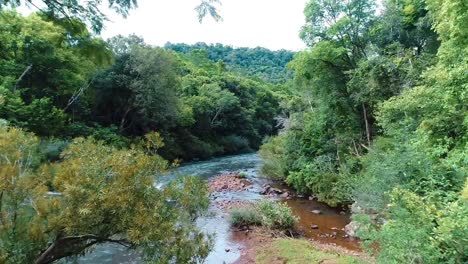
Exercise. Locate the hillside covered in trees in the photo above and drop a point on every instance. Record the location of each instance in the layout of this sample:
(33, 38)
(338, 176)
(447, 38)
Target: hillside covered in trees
(371, 118)
(267, 65)
(121, 90)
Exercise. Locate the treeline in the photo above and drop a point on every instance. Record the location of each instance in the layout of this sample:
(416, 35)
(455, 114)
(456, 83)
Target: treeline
(380, 121)
(261, 63)
(58, 80)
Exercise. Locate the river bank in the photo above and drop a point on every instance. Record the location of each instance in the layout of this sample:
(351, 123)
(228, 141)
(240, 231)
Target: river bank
(231, 245)
(320, 228)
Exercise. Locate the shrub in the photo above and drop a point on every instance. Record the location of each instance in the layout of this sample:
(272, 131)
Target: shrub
(276, 215)
(110, 135)
(272, 153)
(265, 213)
(323, 180)
(245, 216)
(51, 148)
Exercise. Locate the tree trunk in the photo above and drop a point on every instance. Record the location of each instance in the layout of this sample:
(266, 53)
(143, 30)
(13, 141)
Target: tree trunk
(366, 121)
(123, 120)
(22, 75)
(71, 246)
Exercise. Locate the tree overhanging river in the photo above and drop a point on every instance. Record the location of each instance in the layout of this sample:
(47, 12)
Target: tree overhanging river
(228, 243)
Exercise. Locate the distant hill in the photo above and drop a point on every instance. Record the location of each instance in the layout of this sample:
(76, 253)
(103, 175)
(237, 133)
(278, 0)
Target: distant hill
(258, 62)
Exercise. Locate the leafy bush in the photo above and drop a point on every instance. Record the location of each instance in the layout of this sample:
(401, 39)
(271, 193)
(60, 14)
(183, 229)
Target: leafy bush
(321, 179)
(276, 215)
(416, 231)
(265, 213)
(272, 153)
(110, 135)
(51, 148)
(245, 216)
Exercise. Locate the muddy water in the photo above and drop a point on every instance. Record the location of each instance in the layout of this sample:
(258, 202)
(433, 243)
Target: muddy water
(227, 243)
(330, 223)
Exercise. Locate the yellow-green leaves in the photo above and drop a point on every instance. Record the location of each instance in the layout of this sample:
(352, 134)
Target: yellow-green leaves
(97, 193)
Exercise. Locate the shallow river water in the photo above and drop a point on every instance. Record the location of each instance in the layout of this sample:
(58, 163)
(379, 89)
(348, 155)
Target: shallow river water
(228, 244)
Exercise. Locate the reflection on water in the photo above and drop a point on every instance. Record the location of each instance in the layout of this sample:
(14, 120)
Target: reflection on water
(227, 248)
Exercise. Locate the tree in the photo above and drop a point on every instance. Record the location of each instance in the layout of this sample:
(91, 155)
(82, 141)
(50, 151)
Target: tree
(47, 66)
(138, 93)
(100, 195)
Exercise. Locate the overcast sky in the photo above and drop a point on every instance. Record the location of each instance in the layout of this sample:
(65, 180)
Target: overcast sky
(273, 24)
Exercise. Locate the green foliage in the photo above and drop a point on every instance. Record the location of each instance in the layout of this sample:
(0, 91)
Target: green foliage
(242, 175)
(406, 241)
(103, 195)
(45, 69)
(244, 217)
(265, 213)
(199, 110)
(383, 122)
(418, 232)
(40, 116)
(51, 148)
(451, 233)
(258, 62)
(272, 151)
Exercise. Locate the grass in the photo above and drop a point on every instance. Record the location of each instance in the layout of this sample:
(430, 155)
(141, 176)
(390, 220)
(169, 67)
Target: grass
(245, 216)
(299, 251)
(242, 175)
(265, 213)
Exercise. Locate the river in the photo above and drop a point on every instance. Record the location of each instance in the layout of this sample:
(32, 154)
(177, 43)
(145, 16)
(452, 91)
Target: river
(228, 244)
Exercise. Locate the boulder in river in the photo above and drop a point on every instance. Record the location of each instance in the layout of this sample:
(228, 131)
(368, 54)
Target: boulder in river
(314, 226)
(317, 212)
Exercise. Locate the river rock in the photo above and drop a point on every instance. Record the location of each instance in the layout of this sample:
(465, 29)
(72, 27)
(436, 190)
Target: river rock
(265, 190)
(275, 191)
(314, 226)
(285, 195)
(351, 228)
(317, 212)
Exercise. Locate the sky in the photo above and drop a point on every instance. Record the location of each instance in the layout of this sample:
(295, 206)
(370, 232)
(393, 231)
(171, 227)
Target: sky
(273, 24)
